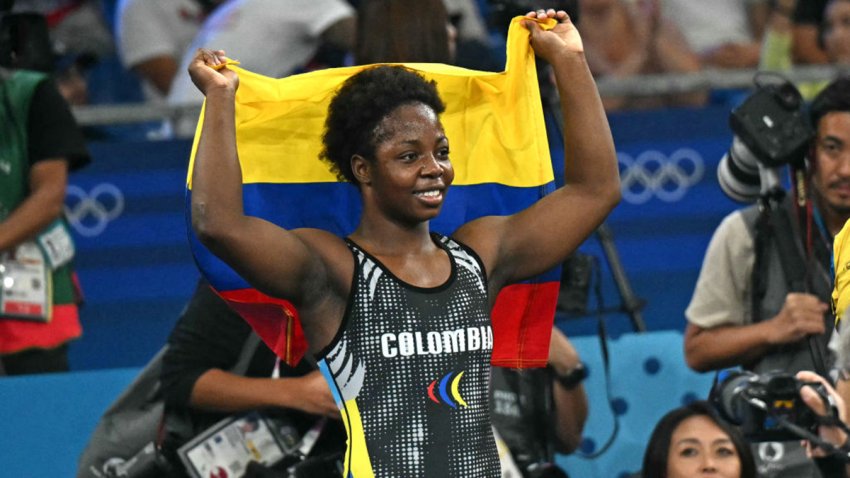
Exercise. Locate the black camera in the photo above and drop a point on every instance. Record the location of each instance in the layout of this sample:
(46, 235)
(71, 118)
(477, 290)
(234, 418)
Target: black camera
(771, 130)
(761, 404)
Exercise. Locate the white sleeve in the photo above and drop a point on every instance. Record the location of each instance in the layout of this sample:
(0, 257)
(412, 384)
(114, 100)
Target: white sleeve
(183, 91)
(324, 13)
(723, 290)
(141, 32)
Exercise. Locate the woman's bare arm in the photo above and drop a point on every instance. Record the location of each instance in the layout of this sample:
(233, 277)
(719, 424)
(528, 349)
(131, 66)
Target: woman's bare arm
(272, 259)
(530, 242)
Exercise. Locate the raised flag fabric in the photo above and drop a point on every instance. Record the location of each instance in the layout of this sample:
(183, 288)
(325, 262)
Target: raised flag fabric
(500, 155)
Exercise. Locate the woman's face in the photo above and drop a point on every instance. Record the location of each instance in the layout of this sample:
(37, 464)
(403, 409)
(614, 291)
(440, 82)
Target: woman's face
(699, 448)
(412, 171)
(836, 33)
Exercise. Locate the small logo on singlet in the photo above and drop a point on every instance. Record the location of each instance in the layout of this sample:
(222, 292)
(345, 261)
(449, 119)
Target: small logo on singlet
(447, 390)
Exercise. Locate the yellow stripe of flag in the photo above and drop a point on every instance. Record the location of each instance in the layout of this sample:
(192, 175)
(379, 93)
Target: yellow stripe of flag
(494, 121)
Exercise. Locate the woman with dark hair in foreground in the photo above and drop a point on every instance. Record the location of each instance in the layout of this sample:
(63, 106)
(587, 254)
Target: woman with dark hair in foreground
(694, 441)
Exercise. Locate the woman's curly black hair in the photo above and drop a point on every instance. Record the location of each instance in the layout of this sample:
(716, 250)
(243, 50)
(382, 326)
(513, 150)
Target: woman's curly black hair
(359, 106)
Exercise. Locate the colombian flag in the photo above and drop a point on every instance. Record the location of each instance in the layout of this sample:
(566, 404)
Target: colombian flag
(494, 122)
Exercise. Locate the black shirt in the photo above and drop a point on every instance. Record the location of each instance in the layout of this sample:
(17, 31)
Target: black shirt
(210, 335)
(52, 130)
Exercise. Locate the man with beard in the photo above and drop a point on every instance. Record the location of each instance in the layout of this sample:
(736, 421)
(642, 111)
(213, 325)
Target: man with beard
(747, 314)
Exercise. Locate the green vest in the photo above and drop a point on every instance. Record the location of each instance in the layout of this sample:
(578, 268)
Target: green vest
(16, 91)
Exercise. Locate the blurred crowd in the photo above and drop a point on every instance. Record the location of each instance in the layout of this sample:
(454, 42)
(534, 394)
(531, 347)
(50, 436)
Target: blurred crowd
(108, 51)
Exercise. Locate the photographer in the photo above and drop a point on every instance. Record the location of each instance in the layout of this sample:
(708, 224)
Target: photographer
(197, 382)
(40, 144)
(540, 412)
(783, 325)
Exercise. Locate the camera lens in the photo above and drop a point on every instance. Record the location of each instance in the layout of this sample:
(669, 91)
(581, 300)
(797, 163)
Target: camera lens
(738, 173)
(727, 398)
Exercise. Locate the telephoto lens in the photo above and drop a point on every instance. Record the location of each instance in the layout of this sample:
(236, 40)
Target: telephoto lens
(738, 173)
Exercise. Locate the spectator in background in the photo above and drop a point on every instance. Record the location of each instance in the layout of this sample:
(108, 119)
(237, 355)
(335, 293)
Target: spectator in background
(205, 344)
(807, 46)
(726, 35)
(76, 27)
(778, 37)
(153, 35)
(834, 38)
(418, 32)
(540, 412)
(694, 441)
(39, 144)
(267, 38)
(623, 39)
(70, 76)
(835, 32)
(778, 42)
(79, 39)
(474, 47)
(466, 17)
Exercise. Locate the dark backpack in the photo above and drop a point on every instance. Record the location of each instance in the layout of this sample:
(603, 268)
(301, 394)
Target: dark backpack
(133, 424)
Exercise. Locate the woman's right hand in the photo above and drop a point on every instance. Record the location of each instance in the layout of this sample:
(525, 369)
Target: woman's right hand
(208, 72)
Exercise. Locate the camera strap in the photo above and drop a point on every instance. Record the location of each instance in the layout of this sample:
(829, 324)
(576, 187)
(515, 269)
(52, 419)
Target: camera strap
(775, 224)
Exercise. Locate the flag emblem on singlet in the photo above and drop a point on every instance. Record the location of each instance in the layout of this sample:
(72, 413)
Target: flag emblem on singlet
(447, 390)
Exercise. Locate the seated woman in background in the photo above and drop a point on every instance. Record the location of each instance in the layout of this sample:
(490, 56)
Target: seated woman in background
(691, 440)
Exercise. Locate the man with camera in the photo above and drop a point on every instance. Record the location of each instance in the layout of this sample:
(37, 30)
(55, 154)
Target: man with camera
(761, 300)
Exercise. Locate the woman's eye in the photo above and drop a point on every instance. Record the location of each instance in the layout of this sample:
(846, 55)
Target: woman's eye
(726, 451)
(409, 156)
(688, 452)
(443, 153)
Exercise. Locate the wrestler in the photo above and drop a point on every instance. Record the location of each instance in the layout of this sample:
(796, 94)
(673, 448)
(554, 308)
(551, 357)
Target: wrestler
(395, 306)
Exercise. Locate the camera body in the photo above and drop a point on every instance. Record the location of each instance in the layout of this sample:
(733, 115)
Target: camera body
(771, 130)
(759, 403)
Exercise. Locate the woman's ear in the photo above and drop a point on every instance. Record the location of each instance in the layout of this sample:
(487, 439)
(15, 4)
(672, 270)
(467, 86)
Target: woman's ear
(361, 169)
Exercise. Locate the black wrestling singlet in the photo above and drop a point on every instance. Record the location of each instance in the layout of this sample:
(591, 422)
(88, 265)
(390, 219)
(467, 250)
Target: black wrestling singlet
(410, 371)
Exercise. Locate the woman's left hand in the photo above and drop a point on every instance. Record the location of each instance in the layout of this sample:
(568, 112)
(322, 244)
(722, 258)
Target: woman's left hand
(562, 39)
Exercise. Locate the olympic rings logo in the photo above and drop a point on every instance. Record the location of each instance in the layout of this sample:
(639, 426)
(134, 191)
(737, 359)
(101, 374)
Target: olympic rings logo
(653, 174)
(90, 212)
